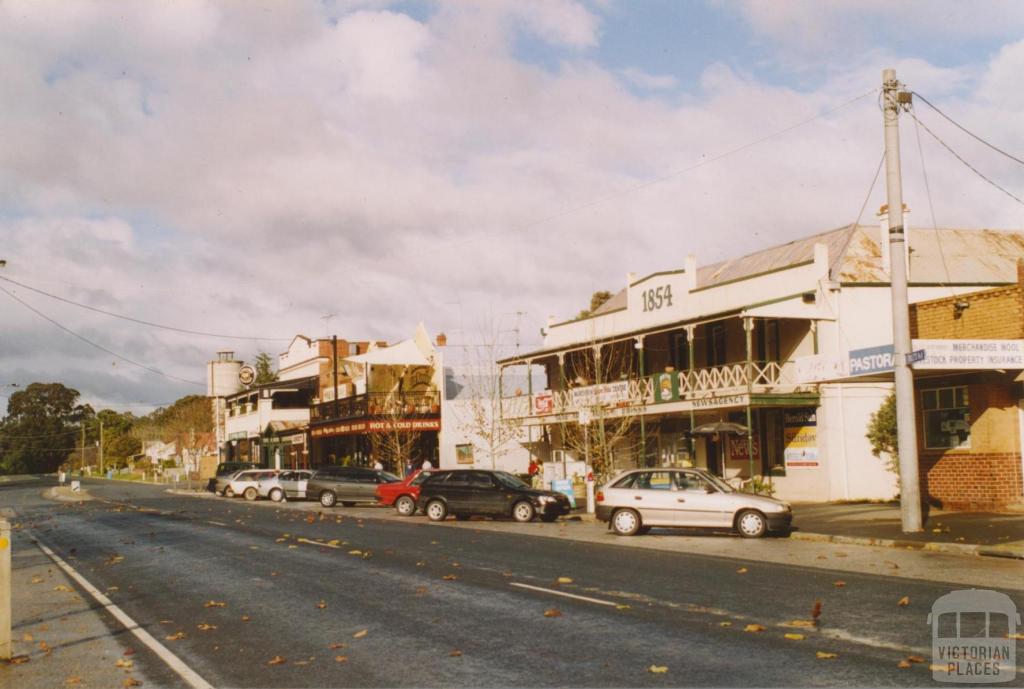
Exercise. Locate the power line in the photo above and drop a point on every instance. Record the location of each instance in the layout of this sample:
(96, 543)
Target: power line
(965, 130)
(139, 321)
(98, 346)
(931, 206)
(960, 158)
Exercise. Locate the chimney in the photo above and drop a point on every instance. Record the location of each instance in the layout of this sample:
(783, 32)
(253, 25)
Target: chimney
(883, 236)
(691, 272)
(442, 339)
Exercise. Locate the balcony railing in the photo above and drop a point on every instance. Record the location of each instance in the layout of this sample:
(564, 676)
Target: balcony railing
(377, 404)
(759, 377)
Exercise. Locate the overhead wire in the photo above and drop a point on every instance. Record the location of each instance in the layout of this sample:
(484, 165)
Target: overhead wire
(931, 209)
(965, 130)
(96, 345)
(140, 321)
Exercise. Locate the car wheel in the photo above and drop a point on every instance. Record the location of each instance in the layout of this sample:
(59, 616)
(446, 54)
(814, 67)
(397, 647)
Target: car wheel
(277, 495)
(405, 506)
(436, 510)
(250, 493)
(228, 493)
(626, 522)
(327, 498)
(751, 524)
(348, 503)
(523, 511)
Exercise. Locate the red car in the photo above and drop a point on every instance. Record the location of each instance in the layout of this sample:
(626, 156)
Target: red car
(403, 494)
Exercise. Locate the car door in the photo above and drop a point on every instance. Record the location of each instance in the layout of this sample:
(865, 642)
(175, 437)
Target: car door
(457, 490)
(700, 503)
(484, 494)
(299, 483)
(364, 486)
(655, 497)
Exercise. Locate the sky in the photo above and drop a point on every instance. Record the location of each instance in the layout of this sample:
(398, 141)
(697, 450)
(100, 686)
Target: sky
(249, 170)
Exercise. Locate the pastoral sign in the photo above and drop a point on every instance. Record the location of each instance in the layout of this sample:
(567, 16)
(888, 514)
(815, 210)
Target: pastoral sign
(869, 360)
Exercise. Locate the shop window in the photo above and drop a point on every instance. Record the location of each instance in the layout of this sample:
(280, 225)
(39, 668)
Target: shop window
(464, 454)
(947, 418)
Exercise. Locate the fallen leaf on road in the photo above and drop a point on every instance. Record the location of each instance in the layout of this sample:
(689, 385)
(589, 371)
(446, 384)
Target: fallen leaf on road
(564, 580)
(622, 606)
(341, 659)
(334, 541)
(335, 646)
(506, 573)
(455, 654)
(44, 647)
(73, 680)
(310, 519)
(360, 634)
(206, 627)
(903, 664)
(552, 612)
(420, 590)
(725, 624)
(245, 618)
(355, 552)
(121, 662)
(280, 540)
(449, 577)
(18, 660)
(799, 623)
(658, 669)
(321, 605)
(62, 587)
(37, 580)
(28, 637)
(214, 604)
(420, 563)
(754, 628)
(794, 637)
(175, 637)
(292, 547)
(915, 659)
(903, 602)
(277, 660)
(131, 682)
(824, 655)
(741, 570)
(114, 559)
(839, 584)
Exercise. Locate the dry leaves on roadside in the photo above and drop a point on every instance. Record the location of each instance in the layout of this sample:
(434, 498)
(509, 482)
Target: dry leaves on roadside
(915, 659)
(741, 570)
(73, 681)
(321, 605)
(245, 618)
(355, 552)
(122, 663)
(341, 659)
(564, 580)
(455, 654)
(62, 587)
(37, 580)
(214, 604)
(552, 612)
(114, 559)
(725, 624)
(334, 646)
(799, 623)
(754, 628)
(824, 655)
(449, 577)
(18, 660)
(360, 634)
(131, 682)
(206, 627)
(903, 664)
(794, 637)
(27, 637)
(658, 669)
(839, 584)
(277, 660)
(622, 606)
(420, 590)
(903, 602)
(175, 637)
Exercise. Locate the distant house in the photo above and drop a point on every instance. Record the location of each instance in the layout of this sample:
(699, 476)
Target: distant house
(157, 451)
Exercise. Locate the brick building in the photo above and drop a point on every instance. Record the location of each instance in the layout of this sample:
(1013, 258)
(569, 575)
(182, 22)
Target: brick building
(969, 421)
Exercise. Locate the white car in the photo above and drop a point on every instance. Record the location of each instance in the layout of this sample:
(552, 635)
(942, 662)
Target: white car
(287, 484)
(246, 483)
(636, 500)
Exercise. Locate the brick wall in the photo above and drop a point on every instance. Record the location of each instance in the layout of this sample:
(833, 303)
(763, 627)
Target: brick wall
(992, 314)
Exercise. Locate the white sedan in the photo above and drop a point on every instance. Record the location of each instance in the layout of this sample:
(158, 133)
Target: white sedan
(287, 484)
(246, 483)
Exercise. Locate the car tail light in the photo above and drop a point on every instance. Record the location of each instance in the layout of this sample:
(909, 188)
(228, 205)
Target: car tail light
(600, 496)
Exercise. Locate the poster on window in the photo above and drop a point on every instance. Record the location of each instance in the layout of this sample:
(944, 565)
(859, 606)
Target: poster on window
(800, 436)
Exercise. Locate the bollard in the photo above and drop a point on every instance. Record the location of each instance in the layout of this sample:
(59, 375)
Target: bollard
(5, 590)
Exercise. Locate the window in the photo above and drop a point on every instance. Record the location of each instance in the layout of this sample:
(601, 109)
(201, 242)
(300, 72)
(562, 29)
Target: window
(480, 480)
(716, 345)
(654, 480)
(680, 351)
(947, 418)
(464, 454)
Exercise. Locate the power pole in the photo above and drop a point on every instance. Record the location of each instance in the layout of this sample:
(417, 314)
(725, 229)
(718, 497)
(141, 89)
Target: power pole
(101, 447)
(81, 463)
(906, 423)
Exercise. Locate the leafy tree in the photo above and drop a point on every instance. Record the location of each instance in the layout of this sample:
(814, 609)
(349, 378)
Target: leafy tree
(882, 434)
(596, 300)
(41, 428)
(264, 369)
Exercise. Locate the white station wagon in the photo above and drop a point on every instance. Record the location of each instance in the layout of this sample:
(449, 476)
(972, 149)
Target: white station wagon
(636, 500)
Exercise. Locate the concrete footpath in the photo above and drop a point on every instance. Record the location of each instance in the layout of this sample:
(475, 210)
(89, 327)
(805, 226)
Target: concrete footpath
(59, 638)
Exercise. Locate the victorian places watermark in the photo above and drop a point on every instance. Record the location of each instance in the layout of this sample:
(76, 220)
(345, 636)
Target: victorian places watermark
(974, 637)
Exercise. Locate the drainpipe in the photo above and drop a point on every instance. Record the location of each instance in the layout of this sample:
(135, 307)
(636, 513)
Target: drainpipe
(691, 332)
(748, 327)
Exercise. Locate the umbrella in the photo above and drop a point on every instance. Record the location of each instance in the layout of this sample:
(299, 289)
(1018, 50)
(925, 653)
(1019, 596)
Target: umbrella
(721, 427)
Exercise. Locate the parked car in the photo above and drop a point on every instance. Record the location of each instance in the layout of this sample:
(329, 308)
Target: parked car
(287, 484)
(246, 483)
(223, 473)
(347, 485)
(466, 492)
(636, 500)
(403, 495)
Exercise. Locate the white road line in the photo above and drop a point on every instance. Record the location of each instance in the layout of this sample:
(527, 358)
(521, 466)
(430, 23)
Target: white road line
(564, 593)
(210, 521)
(173, 661)
(325, 545)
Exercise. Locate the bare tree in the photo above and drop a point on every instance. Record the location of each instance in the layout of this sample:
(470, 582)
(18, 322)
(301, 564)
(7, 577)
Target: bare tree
(393, 433)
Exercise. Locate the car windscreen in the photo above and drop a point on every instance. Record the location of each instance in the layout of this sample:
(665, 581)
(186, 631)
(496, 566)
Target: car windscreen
(420, 478)
(509, 481)
(718, 483)
(388, 477)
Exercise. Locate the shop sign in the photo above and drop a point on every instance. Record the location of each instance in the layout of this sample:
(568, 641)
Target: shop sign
(719, 402)
(666, 387)
(544, 402)
(238, 435)
(979, 354)
(870, 360)
(384, 426)
(606, 394)
(818, 368)
(738, 448)
(800, 436)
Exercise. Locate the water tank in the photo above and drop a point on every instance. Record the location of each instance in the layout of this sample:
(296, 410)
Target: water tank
(222, 375)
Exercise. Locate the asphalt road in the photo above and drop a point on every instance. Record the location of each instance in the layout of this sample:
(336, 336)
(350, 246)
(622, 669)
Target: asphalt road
(451, 606)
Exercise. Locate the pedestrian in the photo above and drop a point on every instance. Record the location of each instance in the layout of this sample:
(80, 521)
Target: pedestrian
(378, 466)
(427, 466)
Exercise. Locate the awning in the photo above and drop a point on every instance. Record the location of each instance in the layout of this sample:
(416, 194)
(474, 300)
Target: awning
(405, 353)
(279, 427)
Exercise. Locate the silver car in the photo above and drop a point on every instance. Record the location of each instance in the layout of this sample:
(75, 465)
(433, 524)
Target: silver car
(287, 484)
(246, 483)
(636, 500)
